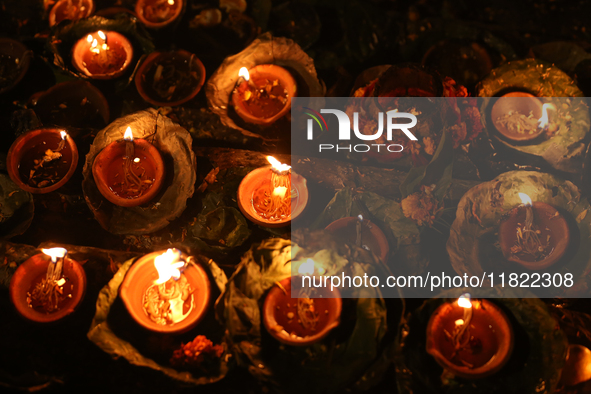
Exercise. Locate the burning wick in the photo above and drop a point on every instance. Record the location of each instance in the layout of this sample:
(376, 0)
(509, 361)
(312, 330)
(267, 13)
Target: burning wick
(169, 300)
(528, 236)
(358, 229)
(307, 313)
(62, 143)
(462, 326)
(543, 121)
(97, 48)
(245, 75)
(132, 181)
(275, 203)
(49, 292)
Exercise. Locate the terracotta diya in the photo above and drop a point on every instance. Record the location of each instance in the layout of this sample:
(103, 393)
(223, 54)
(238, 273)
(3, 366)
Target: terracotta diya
(166, 292)
(48, 286)
(520, 116)
(357, 230)
(129, 172)
(472, 339)
(170, 78)
(156, 14)
(306, 319)
(534, 235)
(272, 196)
(70, 10)
(102, 55)
(263, 94)
(42, 160)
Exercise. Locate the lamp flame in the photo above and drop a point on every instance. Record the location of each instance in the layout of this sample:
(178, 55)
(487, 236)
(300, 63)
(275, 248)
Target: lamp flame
(55, 253)
(464, 301)
(89, 38)
(306, 268)
(244, 73)
(525, 199)
(168, 265)
(128, 136)
(102, 35)
(94, 43)
(277, 165)
(171, 2)
(280, 191)
(543, 121)
(63, 134)
(360, 217)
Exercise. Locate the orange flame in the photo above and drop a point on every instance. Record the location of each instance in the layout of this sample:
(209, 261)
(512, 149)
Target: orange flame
(525, 198)
(244, 73)
(277, 165)
(543, 121)
(128, 136)
(464, 301)
(55, 253)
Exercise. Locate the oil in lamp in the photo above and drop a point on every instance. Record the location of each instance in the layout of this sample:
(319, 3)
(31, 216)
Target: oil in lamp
(263, 94)
(156, 14)
(48, 286)
(272, 196)
(534, 235)
(166, 292)
(42, 160)
(129, 172)
(470, 338)
(361, 232)
(71, 10)
(521, 117)
(306, 318)
(102, 55)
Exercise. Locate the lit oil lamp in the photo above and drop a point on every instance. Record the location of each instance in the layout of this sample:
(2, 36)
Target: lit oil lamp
(42, 160)
(166, 292)
(534, 235)
(361, 232)
(70, 10)
(129, 172)
(263, 94)
(306, 319)
(470, 338)
(521, 117)
(272, 196)
(156, 14)
(102, 55)
(48, 286)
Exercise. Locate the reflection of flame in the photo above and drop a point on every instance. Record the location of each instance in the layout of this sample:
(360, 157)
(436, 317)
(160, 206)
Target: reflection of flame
(128, 136)
(244, 73)
(543, 121)
(280, 191)
(464, 301)
(102, 35)
(168, 265)
(55, 253)
(459, 322)
(307, 268)
(277, 165)
(525, 198)
(63, 134)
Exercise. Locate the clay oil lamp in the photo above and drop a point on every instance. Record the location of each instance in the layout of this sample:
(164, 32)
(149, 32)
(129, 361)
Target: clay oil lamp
(361, 232)
(102, 55)
(70, 10)
(471, 339)
(263, 94)
(170, 78)
(42, 160)
(14, 63)
(48, 286)
(156, 14)
(300, 316)
(534, 235)
(521, 117)
(272, 196)
(166, 292)
(129, 172)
